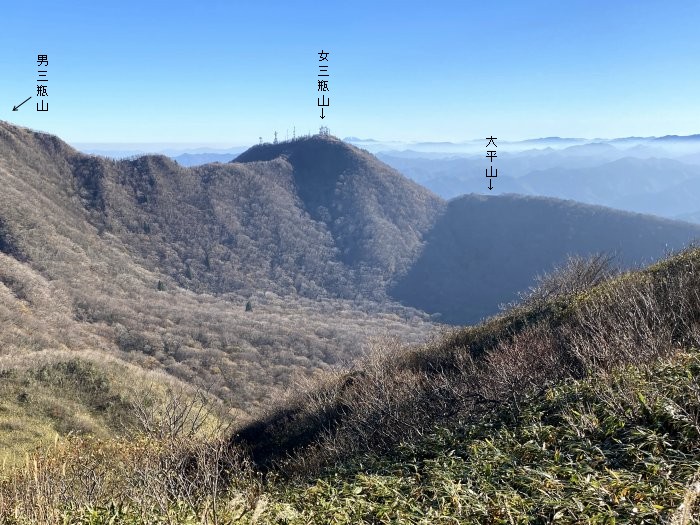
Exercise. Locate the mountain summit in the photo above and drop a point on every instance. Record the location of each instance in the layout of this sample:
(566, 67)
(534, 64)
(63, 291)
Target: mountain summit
(312, 217)
(376, 216)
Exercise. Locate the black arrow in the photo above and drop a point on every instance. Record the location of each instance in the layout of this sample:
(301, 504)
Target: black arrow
(15, 108)
(322, 113)
(490, 186)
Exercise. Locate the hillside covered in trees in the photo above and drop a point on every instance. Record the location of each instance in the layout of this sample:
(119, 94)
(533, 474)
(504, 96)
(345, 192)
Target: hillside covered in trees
(327, 246)
(578, 404)
(296, 257)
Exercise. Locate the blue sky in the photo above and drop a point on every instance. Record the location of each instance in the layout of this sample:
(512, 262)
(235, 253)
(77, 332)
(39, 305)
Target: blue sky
(226, 73)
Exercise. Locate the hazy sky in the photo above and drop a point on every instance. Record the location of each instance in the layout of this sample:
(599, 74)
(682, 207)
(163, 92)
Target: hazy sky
(227, 72)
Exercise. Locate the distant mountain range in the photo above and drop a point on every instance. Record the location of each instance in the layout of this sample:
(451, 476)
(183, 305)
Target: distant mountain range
(658, 186)
(187, 155)
(660, 176)
(319, 218)
(467, 147)
(197, 159)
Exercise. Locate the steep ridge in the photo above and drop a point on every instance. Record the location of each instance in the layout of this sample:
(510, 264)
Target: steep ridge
(318, 218)
(153, 263)
(399, 395)
(217, 228)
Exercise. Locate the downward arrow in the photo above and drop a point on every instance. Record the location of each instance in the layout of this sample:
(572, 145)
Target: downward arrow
(322, 113)
(490, 185)
(15, 108)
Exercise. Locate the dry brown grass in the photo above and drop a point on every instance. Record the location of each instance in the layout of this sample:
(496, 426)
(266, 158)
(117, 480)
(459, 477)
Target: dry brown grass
(397, 393)
(172, 479)
(393, 394)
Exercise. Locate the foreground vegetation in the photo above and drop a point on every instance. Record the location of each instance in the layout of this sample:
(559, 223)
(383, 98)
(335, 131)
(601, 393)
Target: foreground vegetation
(615, 448)
(580, 404)
(57, 397)
(620, 448)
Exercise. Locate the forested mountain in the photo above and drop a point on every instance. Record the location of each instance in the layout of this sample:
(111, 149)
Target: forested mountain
(315, 217)
(125, 285)
(483, 250)
(375, 216)
(318, 218)
(154, 263)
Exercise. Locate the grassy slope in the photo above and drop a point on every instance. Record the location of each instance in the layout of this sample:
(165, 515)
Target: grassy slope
(55, 399)
(50, 395)
(615, 448)
(622, 448)
(620, 444)
(636, 317)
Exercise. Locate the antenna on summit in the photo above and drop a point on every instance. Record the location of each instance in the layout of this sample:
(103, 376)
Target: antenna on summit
(275, 142)
(294, 133)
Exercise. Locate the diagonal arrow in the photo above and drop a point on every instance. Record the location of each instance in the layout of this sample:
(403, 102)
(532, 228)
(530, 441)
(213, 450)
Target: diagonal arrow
(15, 108)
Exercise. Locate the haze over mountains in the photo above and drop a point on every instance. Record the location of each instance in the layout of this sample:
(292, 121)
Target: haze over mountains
(645, 175)
(319, 218)
(656, 175)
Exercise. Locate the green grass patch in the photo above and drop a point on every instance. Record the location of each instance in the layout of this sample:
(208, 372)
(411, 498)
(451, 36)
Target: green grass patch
(623, 448)
(59, 398)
